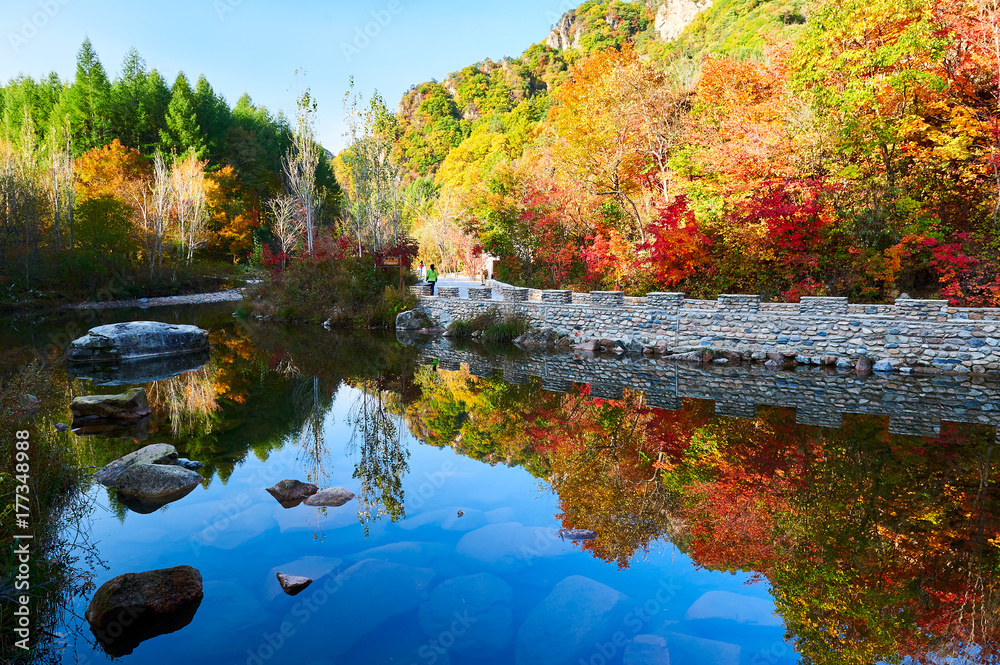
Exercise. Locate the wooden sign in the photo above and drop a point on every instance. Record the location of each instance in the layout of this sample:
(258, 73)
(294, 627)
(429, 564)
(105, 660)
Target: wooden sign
(392, 260)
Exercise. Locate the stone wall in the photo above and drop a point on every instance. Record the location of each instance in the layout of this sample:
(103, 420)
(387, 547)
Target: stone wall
(924, 336)
(820, 396)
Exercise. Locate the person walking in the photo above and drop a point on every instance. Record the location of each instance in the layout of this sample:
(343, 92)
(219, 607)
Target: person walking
(432, 277)
(421, 272)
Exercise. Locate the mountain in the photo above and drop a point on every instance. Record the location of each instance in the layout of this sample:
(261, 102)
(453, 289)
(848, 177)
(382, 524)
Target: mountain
(435, 117)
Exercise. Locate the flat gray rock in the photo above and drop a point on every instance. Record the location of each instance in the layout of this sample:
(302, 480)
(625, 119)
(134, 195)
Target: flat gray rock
(157, 453)
(137, 339)
(129, 405)
(564, 628)
(334, 496)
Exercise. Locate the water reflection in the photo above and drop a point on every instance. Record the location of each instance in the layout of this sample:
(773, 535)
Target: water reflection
(870, 508)
(878, 544)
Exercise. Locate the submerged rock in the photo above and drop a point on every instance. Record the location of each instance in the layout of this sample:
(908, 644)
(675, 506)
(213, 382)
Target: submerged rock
(137, 430)
(290, 493)
(647, 650)
(475, 610)
(157, 453)
(134, 607)
(293, 584)
(137, 339)
(728, 606)
(334, 496)
(189, 464)
(144, 488)
(129, 405)
(566, 625)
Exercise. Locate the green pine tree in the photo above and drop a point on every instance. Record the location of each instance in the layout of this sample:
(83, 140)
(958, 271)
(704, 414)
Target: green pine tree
(89, 101)
(182, 132)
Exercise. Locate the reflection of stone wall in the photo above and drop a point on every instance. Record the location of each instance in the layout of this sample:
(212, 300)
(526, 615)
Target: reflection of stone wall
(820, 396)
(919, 335)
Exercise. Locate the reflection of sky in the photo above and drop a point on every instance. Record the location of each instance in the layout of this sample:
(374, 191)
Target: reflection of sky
(237, 536)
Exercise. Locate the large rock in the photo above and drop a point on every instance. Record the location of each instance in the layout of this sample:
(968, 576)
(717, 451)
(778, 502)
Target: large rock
(687, 649)
(509, 547)
(360, 598)
(157, 453)
(137, 339)
(570, 622)
(293, 584)
(129, 405)
(472, 613)
(290, 493)
(134, 607)
(136, 371)
(728, 606)
(144, 488)
(413, 319)
(647, 650)
(333, 496)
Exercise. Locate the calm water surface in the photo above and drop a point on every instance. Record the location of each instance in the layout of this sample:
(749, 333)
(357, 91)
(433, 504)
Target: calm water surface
(721, 540)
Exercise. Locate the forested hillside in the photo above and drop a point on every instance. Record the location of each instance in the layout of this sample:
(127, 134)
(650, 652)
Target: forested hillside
(128, 176)
(787, 148)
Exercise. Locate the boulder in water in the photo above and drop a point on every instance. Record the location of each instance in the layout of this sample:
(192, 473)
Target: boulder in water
(144, 488)
(577, 534)
(132, 372)
(290, 493)
(293, 584)
(129, 405)
(334, 496)
(134, 607)
(137, 339)
(157, 453)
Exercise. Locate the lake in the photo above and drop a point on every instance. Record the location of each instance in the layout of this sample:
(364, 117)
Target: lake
(742, 516)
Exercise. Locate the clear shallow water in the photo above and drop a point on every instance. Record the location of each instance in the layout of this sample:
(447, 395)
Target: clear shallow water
(868, 536)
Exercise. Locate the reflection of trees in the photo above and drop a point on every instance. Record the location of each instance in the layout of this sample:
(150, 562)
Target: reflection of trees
(312, 436)
(877, 546)
(381, 457)
(63, 557)
(189, 400)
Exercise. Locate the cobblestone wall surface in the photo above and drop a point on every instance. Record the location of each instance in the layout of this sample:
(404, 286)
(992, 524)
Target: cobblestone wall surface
(923, 336)
(820, 396)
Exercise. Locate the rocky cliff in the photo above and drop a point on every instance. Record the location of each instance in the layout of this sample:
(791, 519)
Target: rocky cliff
(672, 16)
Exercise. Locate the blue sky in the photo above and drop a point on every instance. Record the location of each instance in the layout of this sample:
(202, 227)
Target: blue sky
(255, 46)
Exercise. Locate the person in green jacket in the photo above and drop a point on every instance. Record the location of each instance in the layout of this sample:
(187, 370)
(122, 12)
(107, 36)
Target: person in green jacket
(432, 277)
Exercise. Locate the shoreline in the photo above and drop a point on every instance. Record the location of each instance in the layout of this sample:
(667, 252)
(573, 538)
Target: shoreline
(229, 295)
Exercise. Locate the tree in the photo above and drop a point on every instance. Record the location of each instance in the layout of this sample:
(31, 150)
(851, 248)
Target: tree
(89, 100)
(187, 183)
(182, 132)
(300, 165)
(286, 223)
(374, 187)
(130, 115)
(61, 184)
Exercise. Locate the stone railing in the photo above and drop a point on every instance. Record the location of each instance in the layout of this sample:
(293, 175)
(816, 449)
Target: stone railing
(913, 405)
(909, 335)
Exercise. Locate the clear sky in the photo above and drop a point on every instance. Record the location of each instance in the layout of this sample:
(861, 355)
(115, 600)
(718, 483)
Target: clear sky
(255, 46)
